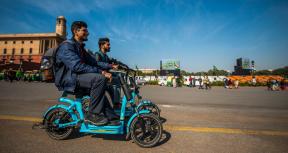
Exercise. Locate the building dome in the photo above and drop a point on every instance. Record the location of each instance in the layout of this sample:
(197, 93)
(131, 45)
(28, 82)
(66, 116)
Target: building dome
(61, 17)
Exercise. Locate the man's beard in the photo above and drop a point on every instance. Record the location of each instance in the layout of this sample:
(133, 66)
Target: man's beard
(85, 39)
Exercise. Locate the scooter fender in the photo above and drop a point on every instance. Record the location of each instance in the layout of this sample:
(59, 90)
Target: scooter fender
(144, 102)
(134, 116)
(65, 107)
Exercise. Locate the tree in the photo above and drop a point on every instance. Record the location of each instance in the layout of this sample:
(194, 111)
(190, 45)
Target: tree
(216, 72)
(262, 72)
(184, 73)
(281, 71)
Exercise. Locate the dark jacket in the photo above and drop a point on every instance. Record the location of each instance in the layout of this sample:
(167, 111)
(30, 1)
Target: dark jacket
(71, 61)
(100, 57)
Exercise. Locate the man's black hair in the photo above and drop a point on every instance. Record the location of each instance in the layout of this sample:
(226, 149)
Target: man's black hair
(77, 25)
(102, 41)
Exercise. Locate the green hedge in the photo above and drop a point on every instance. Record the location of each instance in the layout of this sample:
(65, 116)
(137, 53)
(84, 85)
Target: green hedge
(217, 83)
(152, 82)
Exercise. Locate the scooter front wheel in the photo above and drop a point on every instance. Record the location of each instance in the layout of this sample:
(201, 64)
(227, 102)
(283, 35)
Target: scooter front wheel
(53, 119)
(146, 130)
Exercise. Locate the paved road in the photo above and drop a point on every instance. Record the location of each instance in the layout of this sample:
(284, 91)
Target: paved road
(217, 120)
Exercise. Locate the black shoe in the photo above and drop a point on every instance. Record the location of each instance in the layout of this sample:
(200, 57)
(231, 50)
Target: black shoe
(96, 119)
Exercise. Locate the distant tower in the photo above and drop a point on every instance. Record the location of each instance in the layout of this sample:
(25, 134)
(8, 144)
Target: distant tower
(61, 26)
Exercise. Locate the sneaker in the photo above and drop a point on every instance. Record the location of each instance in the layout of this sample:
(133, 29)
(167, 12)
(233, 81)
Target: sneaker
(96, 119)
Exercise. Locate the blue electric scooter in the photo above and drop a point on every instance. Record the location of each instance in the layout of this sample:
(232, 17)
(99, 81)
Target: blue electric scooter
(144, 127)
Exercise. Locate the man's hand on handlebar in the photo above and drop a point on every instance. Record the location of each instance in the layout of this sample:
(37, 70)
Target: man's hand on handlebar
(107, 75)
(115, 66)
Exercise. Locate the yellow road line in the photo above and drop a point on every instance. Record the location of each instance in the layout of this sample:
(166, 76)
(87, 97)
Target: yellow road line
(20, 118)
(178, 128)
(225, 130)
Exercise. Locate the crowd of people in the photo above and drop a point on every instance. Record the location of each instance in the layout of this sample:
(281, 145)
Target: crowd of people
(204, 83)
(272, 84)
(230, 84)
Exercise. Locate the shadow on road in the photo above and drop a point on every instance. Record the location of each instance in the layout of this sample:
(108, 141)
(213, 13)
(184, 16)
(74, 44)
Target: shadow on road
(163, 120)
(165, 138)
(110, 137)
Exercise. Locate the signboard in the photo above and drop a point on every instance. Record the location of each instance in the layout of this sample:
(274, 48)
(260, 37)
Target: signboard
(169, 64)
(246, 64)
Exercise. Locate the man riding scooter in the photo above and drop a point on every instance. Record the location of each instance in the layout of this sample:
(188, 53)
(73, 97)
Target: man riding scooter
(75, 69)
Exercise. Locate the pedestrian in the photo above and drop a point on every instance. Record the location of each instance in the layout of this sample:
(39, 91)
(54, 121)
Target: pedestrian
(230, 84)
(190, 81)
(200, 83)
(174, 82)
(206, 82)
(282, 84)
(254, 81)
(269, 84)
(18, 75)
(11, 75)
(236, 83)
(225, 82)
(194, 82)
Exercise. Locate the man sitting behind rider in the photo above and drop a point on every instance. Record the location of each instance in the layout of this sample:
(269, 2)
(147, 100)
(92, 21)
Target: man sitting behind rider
(76, 69)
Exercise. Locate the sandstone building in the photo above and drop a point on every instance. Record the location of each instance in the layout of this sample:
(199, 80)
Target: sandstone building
(16, 48)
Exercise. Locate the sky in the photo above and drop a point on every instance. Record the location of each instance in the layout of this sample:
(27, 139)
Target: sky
(199, 33)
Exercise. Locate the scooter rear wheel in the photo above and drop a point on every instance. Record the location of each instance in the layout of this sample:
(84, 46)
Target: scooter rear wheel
(53, 118)
(146, 130)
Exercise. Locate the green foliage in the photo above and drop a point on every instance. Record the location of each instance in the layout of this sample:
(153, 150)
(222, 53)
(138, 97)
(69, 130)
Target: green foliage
(184, 73)
(281, 71)
(169, 84)
(216, 72)
(263, 72)
(217, 83)
(244, 84)
(152, 82)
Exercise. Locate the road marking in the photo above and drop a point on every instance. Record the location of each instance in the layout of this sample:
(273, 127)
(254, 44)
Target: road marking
(20, 118)
(167, 106)
(225, 130)
(177, 127)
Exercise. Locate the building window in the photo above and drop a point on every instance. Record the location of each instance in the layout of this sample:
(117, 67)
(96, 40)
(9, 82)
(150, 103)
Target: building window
(14, 42)
(13, 51)
(22, 42)
(22, 51)
(5, 42)
(4, 51)
(30, 51)
(30, 58)
(31, 42)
